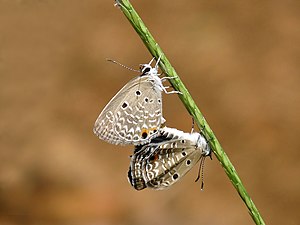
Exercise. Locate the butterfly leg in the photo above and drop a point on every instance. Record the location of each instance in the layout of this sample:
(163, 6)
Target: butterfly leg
(171, 92)
(193, 125)
(202, 130)
(164, 88)
(167, 78)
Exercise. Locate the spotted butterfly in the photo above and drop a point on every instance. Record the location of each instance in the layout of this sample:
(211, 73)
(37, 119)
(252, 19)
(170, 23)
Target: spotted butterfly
(166, 159)
(134, 114)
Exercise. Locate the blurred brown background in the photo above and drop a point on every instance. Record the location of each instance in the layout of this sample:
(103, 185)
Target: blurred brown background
(240, 61)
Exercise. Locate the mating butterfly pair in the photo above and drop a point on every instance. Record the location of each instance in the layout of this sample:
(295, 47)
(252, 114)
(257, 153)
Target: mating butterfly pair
(134, 116)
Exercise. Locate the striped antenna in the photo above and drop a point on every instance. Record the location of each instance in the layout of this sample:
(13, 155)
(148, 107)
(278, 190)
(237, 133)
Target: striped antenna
(126, 67)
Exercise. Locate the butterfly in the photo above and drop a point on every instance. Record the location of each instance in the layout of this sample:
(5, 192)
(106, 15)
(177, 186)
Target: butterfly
(166, 159)
(134, 114)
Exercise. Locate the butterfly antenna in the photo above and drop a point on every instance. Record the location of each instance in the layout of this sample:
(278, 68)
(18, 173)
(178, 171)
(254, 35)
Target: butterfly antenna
(201, 172)
(126, 67)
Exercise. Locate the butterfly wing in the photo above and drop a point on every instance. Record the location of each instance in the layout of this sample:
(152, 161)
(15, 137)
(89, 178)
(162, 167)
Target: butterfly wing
(134, 114)
(162, 164)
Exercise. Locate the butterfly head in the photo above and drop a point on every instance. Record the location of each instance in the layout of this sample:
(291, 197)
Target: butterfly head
(203, 145)
(147, 69)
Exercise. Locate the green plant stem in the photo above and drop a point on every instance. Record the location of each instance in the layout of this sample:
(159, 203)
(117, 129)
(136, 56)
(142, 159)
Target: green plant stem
(190, 105)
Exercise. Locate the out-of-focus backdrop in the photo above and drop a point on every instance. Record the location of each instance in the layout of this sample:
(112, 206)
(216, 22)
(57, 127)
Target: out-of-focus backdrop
(239, 60)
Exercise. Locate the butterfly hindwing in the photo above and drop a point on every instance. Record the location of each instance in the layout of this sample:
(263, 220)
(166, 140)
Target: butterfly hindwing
(167, 165)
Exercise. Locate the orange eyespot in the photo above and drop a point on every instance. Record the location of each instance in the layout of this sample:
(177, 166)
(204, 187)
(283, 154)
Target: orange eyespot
(145, 132)
(144, 135)
(154, 157)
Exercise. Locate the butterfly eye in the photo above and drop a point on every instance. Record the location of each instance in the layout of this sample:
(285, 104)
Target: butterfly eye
(145, 69)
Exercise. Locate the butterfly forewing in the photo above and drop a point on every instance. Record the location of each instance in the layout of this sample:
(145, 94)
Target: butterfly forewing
(134, 114)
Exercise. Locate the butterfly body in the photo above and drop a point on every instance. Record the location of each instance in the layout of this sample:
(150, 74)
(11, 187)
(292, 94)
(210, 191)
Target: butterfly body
(166, 159)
